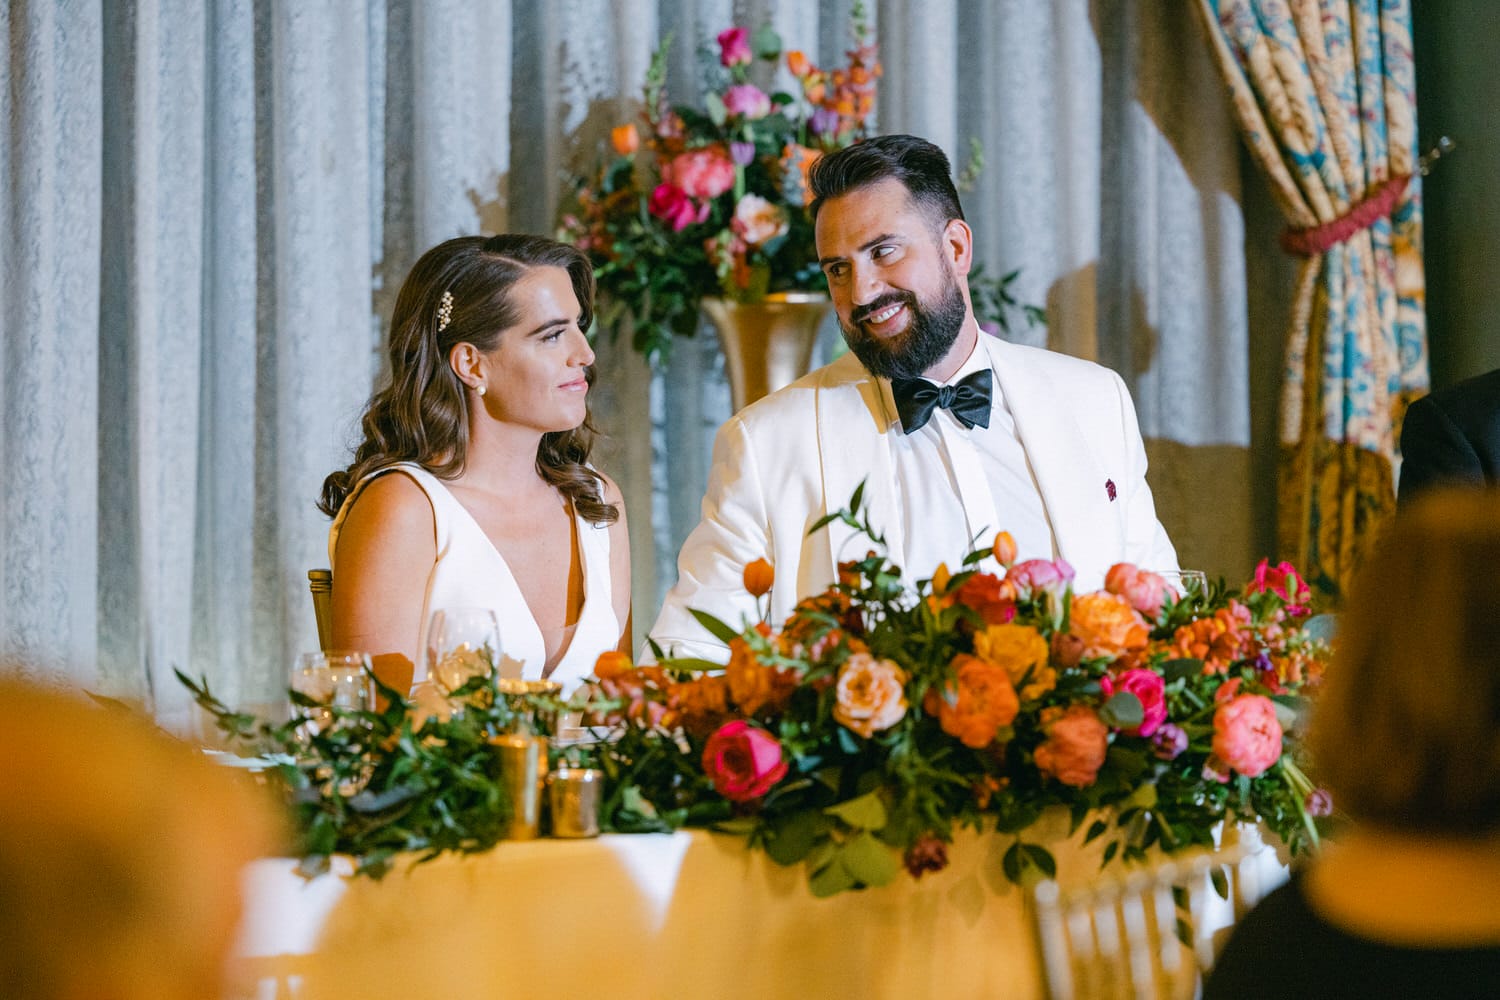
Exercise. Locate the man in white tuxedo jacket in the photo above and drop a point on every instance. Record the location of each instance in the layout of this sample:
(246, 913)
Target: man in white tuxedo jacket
(955, 434)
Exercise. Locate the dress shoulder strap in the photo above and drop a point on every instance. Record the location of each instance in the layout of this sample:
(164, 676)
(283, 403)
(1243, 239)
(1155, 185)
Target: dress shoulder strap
(437, 493)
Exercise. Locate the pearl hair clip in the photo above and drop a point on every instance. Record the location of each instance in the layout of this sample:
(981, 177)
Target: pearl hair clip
(445, 311)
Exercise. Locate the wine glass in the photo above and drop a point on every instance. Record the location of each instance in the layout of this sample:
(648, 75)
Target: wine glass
(1187, 584)
(334, 679)
(462, 643)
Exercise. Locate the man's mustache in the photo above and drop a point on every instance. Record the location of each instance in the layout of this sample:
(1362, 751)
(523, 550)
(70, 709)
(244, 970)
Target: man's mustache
(887, 300)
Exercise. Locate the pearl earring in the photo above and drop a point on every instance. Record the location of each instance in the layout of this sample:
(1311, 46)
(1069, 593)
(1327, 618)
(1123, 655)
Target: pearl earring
(479, 389)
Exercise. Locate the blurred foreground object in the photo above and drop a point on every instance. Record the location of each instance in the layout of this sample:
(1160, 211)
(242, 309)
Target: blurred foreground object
(120, 854)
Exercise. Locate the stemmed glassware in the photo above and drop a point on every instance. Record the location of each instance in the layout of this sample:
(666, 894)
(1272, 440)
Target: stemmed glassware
(1186, 583)
(334, 679)
(462, 643)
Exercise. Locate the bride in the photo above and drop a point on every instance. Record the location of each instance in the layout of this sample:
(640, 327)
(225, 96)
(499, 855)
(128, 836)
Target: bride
(472, 487)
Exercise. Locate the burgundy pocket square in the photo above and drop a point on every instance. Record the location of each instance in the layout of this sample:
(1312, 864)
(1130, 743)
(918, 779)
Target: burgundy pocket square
(1109, 489)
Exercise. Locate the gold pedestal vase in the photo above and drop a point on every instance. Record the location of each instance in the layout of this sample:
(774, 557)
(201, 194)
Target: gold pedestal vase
(767, 344)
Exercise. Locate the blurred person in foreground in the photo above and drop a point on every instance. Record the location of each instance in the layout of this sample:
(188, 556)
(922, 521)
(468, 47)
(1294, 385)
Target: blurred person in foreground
(1405, 902)
(1452, 437)
(121, 853)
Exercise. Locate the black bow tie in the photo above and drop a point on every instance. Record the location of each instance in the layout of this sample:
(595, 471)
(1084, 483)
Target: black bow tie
(968, 400)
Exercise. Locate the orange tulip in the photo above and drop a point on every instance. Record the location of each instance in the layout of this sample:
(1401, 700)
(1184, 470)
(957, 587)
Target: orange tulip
(625, 139)
(1005, 549)
(758, 578)
(796, 61)
(940, 578)
(611, 663)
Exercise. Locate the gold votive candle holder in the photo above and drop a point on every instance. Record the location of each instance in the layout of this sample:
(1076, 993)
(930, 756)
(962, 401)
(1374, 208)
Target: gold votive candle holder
(574, 794)
(523, 771)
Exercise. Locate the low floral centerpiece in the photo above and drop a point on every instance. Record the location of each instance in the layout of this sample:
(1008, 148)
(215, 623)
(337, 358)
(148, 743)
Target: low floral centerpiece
(860, 734)
(713, 200)
(880, 717)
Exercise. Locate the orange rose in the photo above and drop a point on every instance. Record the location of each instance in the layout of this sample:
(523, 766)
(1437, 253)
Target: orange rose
(758, 578)
(798, 64)
(1077, 740)
(1218, 640)
(977, 704)
(870, 695)
(625, 139)
(1108, 626)
(1020, 649)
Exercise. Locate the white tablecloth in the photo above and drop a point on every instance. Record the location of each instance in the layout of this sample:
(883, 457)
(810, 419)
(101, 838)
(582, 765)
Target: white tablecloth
(690, 914)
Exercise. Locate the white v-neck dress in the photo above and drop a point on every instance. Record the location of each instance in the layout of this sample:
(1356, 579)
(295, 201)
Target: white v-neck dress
(471, 573)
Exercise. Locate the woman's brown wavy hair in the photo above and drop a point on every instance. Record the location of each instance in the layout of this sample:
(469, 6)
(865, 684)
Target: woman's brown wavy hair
(421, 415)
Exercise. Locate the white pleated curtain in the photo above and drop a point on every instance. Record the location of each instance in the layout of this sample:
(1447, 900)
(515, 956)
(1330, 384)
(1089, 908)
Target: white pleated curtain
(208, 208)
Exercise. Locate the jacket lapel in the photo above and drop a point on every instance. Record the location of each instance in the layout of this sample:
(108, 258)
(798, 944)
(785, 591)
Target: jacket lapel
(1070, 478)
(853, 441)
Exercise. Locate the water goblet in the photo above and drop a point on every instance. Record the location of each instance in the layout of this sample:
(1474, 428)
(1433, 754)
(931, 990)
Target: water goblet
(334, 680)
(1186, 584)
(462, 643)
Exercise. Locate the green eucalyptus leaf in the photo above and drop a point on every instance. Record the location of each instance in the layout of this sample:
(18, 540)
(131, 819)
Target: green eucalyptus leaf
(864, 813)
(869, 861)
(830, 880)
(1123, 710)
(790, 840)
(766, 43)
(1180, 669)
(1040, 858)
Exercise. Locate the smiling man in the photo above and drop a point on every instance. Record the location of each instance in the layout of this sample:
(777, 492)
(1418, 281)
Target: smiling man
(955, 434)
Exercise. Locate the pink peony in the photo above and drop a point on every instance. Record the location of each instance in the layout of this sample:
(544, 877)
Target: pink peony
(1247, 736)
(747, 101)
(734, 46)
(742, 761)
(1041, 574)
(1145, 591)
(702, 173)
(757, 221)
(1149, 687)
(1074, 751)
(672, 205)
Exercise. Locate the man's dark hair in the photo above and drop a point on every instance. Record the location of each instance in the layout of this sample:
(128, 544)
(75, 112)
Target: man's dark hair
(921, 167)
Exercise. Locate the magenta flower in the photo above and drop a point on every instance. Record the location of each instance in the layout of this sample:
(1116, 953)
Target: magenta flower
(747, 101)
(742, 761)
(734, 47)
(672, 205)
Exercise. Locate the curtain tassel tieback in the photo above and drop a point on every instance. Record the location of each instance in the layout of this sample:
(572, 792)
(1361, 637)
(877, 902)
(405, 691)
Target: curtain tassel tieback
(1377, 204)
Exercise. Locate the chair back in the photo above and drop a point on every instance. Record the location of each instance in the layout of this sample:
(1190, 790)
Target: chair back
(1150, 933)
(320, 582)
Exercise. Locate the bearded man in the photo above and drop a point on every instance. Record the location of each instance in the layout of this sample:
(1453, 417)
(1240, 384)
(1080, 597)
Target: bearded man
(955, 434)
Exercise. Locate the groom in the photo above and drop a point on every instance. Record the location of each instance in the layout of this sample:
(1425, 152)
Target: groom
(955, 434)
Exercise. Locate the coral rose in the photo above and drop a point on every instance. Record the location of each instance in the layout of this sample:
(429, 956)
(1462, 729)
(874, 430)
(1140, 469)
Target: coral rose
(1247, 736)
(1149, 687)
(1145, 591)
(1108, 626)
(1076, 743)
(870, 694)
(976, 704)
(702, 173)
(672, 205)
(742, 761)
(992, 598)
(757, 221)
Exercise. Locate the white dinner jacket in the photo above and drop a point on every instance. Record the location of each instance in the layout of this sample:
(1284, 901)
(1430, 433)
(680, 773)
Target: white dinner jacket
(783, 462)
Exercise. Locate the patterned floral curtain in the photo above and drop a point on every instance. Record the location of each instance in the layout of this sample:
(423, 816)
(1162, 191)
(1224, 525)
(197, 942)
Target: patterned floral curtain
(1324, 91)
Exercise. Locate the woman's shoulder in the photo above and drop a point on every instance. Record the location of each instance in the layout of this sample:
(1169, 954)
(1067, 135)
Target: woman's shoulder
(387, 501)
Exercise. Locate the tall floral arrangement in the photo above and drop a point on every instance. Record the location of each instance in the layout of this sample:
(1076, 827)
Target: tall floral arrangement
(713, 200)
(860, 733)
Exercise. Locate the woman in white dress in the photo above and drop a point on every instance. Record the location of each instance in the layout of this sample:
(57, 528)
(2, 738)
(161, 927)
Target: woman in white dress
(472, 487)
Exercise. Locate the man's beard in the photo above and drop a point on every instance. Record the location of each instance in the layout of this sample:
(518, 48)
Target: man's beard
(930, 332)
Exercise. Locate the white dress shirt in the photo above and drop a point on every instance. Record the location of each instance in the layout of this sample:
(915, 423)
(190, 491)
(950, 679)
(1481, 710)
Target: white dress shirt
(958, 486)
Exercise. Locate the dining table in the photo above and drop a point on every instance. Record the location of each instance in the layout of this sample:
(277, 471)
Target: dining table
(692, 913)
